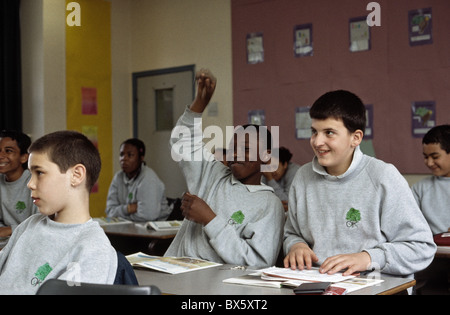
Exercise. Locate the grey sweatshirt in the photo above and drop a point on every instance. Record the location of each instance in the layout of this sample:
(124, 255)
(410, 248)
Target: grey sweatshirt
(433, 196)
(369, 208)
(248, 227)
(41, 249)
(16, 204)
(146, 189)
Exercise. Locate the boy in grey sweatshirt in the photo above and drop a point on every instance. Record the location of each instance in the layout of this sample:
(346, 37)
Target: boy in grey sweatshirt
(16, 204)
(349, 211)
(62, 242)
(230, 217)
(433, 193)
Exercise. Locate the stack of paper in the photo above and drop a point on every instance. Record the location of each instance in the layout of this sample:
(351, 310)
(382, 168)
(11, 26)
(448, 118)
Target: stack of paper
(285, 277)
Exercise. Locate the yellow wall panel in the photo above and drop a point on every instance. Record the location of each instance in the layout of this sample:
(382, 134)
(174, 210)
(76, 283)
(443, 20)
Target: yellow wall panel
(88, 65)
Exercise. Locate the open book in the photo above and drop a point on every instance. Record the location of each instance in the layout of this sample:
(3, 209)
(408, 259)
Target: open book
(172, 265)
(164, 225)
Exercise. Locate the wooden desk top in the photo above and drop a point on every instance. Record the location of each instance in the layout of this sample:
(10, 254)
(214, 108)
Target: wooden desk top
(136, 230)
(209, 282)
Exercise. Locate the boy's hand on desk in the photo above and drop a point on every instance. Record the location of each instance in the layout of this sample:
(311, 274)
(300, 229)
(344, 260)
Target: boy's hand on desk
(299, 256)
(206, 84)
(352, 262)
(196, 209)
(132, 208)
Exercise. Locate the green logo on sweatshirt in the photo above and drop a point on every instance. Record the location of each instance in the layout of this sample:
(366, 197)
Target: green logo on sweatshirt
(353, 216)
(236, 218)
(41, 274)
(20, 207)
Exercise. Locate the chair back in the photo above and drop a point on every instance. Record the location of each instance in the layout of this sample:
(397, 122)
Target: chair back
(61, 287)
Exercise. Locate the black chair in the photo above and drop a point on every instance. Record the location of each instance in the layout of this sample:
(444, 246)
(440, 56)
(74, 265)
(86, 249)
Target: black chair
(125, 273)
(61, 287)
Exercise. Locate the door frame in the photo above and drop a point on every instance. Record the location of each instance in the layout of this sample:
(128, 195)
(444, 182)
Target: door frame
(137, 75)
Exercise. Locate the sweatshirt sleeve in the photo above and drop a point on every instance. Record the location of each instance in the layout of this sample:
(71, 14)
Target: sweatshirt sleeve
(292, 233)
(257, 245)
(409, 247)
(198, 165)
(114, 208)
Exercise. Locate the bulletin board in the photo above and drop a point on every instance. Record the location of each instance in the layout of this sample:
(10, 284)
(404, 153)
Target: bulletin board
(388, 73)
(88, 88)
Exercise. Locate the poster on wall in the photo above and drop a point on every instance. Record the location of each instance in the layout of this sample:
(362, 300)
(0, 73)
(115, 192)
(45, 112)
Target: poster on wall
(89, 101)
(255, 48)
(302, 123)
(303, 43)
(368, 133)
(420, 27)
(359, 34)
(423, 117)
(257, 117)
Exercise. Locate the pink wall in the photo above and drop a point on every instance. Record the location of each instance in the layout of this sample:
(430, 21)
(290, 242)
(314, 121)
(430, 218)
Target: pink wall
(390, 76)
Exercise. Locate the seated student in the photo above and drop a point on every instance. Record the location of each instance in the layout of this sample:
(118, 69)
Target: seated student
(136, 192)
(281, 179)
(433, 193)
(349, 211)
(230, 217)
(16, 204)
(62, 241)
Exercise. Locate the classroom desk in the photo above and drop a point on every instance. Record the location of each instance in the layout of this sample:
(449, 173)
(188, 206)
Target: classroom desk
(442, 252)
(129, 238)
(137, 230)
(209, 282)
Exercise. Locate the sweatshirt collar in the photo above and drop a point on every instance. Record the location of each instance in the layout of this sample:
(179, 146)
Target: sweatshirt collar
(319, 169)
(252, 188)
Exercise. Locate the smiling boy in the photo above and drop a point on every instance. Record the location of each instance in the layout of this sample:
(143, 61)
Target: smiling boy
(349, 211)
(433, 193)
(15, 200)
(230, 217)
(62, 242)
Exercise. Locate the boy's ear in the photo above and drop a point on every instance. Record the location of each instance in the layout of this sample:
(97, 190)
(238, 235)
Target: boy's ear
(358, 136)
(24, 158)
(78, 175)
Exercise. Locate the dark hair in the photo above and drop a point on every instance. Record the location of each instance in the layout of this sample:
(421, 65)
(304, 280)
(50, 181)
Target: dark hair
(343, 105)
(285, 155)
(69, 148)
(140, 146)
(22, 140)
(439, 134)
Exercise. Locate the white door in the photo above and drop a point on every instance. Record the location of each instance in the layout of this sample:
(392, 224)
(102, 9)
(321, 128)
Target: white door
(161, 97)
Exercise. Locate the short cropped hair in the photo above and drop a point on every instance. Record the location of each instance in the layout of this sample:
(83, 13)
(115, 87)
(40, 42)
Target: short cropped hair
(69, 148)
(22, 140)
(343, 105)
(439, 134)
(285, 155)
(138, 144)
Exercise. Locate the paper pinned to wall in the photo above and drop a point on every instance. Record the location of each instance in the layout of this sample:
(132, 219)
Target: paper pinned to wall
(359, 34)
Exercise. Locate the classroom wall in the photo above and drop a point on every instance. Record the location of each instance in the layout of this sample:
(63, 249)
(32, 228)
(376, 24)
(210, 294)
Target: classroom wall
(145, 35)
(390, 76)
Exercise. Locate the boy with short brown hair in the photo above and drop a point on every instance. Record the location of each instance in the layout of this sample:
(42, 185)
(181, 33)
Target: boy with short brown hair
(61, 242)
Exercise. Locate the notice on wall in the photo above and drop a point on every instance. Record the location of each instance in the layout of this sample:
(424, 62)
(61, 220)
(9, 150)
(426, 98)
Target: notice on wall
(255, 48)
(303, 43)
(359, 34)
(368, 133)
(89, 101)
(302, 123)
(257, 117)
(423, 117)
(420, 27)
